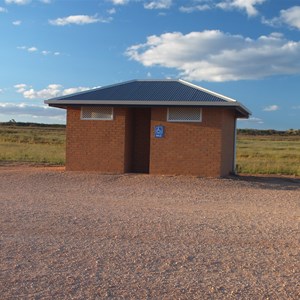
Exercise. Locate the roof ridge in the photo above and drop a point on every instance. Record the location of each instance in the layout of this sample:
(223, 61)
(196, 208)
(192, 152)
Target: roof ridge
(157, 79)
(206, 90)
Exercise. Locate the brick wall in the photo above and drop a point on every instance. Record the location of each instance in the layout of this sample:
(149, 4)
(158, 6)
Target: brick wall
(96, 145)
(228, 133)
(128, 140)
(118, 146)
(190, 148)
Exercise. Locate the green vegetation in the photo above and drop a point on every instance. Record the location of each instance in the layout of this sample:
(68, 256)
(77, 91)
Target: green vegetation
(268, 154)
(255, 132)
(258, 151)
(32, 143)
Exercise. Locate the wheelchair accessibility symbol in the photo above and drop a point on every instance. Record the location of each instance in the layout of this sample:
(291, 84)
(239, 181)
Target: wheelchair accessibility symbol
(159, 131)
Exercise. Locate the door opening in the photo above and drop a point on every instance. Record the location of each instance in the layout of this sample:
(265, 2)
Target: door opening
(141, 119)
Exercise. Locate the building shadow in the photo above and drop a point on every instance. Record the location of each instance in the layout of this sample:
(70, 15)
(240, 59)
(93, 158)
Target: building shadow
(269, 182)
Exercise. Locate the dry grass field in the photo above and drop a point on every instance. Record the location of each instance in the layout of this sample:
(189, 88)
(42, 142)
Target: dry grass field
(270, 154)
(72, 235)
(32, 144)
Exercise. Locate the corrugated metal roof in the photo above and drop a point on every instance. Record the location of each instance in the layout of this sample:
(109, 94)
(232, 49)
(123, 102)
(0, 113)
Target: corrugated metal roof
(150, 93)
(149, 90)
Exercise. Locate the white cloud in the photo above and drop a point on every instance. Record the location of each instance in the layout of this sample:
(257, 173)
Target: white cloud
(158, 4)
(190, 9)
(78, 20)
(296, 107)
(74, 90)
(252, 120)
(271, 108)
(19, 2)
(111, 11)
(290, 17)
(1, 91)
(29, 49)
(213, 55)
(45, 52)
(35, 49)
(21, 87)
(45, 1)
(247, 5)
(119, 2)
(3, 10)
(51, 91)
(244, 5)
(17, 22)
(24, 109)
(32, 49)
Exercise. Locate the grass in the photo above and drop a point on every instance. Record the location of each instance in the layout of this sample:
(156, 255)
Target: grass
(32, 144)
(256, 154)
(271, 154)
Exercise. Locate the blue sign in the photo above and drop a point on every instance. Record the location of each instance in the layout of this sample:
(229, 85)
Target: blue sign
(159, 131)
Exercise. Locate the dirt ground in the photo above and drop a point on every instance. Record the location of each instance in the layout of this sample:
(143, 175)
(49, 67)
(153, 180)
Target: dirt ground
(72, 235)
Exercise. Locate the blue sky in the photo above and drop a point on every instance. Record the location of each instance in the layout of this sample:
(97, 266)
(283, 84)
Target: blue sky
(248, 50)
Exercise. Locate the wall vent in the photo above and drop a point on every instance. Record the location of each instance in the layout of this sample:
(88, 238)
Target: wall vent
(96, 113)
(184, 114)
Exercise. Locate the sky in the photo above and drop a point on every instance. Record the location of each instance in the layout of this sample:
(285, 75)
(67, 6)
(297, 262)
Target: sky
(248, 50)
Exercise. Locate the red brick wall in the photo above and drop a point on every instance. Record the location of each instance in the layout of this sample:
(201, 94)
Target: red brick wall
(189, 148)
(228, 132)
(96, 145)
(128, 140)
(202, 149)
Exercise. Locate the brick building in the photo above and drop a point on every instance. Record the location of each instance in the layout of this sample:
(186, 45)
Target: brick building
(151, 126)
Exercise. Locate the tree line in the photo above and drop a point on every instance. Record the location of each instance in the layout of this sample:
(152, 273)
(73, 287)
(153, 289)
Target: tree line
(269, 132)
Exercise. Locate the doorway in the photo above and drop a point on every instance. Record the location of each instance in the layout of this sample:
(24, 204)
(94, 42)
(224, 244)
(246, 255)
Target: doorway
(141, 119)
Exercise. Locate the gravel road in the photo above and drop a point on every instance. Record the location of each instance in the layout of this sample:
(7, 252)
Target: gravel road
(72, 235)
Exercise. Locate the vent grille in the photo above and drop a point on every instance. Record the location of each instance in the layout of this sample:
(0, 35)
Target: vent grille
(184, 114)
(96, 113)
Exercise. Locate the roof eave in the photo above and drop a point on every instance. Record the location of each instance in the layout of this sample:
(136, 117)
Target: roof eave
(243, 112)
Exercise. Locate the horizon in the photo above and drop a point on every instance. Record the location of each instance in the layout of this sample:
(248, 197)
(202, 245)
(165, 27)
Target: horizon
(247, 50)
(25, 124)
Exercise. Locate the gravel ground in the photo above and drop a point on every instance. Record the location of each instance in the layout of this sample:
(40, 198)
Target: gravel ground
(72, 235)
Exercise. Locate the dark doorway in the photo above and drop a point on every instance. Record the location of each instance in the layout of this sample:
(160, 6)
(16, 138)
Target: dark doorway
(141, 118)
